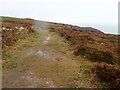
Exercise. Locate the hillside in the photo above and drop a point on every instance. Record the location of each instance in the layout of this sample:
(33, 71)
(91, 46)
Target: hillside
(39, 54)
(90, 42)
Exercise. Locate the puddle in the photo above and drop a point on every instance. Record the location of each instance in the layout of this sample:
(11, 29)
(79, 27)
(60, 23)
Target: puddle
(43, 39)
(46, 41)
(45, 54)
(29, 52)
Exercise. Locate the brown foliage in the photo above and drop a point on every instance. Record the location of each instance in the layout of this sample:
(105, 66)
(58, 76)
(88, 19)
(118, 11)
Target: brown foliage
(97, 46)
(11, 32)
(107, 73)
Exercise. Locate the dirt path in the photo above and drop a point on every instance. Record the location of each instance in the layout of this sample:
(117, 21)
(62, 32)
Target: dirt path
(34, 81)
(28, 79)
(47, 64)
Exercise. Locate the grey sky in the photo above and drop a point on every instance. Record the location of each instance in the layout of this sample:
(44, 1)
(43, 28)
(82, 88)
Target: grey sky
(80, 12)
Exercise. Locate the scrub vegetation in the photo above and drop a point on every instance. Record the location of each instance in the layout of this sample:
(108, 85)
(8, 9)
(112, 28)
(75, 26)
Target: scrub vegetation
(38, 54)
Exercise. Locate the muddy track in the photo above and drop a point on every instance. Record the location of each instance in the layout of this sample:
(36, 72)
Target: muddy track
(41, 66)
(34, 81)
(28, 78)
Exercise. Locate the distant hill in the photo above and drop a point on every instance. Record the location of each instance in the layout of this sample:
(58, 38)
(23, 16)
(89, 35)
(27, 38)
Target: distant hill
(90, 29)
(74, 27)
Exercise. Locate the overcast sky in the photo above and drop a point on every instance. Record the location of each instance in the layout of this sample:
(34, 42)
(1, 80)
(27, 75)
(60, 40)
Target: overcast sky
(64, 11)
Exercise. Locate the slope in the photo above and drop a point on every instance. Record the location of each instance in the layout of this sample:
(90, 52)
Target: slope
(44, 60)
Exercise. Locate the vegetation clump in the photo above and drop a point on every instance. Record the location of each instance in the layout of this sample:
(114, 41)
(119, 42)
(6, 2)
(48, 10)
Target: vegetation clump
(95, 55)
(13, 29)
(108, 74)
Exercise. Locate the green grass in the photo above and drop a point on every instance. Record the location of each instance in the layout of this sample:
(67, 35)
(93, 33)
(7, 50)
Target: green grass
(11, 53)
(5, 18)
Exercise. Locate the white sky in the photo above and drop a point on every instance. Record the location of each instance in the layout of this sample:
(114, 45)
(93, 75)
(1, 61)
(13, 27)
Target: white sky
(64, 11)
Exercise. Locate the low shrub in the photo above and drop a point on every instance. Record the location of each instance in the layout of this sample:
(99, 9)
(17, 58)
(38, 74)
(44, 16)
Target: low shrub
(92, 45)
(95, 55)
(108, 74)
(11, 30)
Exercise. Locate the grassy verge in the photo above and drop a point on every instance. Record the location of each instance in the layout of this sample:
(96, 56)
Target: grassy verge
(10, 53)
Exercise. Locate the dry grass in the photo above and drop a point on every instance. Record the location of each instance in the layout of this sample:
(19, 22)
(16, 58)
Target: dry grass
(65, 69)
(10, 54)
